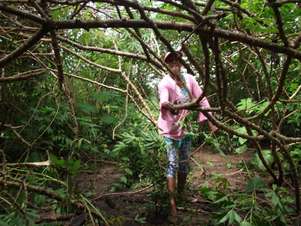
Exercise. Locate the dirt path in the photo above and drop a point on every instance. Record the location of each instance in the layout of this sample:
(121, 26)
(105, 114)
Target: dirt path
(207, 168)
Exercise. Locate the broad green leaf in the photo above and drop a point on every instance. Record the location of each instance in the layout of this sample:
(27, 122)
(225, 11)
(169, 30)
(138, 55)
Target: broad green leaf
(245, 223)
(232, 217)
(254, 184)
(246, 105)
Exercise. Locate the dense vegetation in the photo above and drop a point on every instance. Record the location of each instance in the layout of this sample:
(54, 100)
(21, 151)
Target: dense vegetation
(78, 84)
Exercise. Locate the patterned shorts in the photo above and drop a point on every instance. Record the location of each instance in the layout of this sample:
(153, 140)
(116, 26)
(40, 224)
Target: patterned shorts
(177, 155)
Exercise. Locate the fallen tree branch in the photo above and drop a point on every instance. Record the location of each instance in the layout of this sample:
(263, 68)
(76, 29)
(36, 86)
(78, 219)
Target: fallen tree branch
(123, 193)
(52, 218)
(28, 164)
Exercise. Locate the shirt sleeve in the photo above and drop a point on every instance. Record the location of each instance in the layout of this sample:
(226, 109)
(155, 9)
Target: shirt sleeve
(197, 92)
(163, 94)
(163, 97)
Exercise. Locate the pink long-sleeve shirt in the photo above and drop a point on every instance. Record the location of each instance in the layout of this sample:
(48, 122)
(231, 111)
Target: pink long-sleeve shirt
(168, 123)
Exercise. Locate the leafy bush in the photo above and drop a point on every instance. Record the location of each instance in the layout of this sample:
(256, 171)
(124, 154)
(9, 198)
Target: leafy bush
(257, 205)
(142, 155)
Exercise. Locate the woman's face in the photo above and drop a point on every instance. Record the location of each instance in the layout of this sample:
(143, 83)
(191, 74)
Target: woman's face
(175, 66)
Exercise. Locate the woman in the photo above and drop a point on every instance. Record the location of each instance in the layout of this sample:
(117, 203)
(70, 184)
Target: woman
(176, 88)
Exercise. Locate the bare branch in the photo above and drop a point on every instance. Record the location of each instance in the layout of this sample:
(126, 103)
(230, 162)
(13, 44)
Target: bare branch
(123, 193)
(23, 76)
(27, 45)
(295, 93)
(28, 164)
(207, 7)
(22, 13)
(228, 129)
(95, 82)
(279, 89)
(89, 61)
(103, 50)
(282, 2)
(46, 192)
(239, 8)
(56, 218)
(135, 6)
(279, 22)
(57, 59)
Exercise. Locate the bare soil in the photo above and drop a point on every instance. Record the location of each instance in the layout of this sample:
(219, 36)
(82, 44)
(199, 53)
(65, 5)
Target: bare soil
(131, 209)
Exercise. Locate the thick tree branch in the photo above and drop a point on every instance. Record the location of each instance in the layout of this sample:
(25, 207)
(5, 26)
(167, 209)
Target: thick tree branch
(228, 35)
(221, 33)
(134, 6)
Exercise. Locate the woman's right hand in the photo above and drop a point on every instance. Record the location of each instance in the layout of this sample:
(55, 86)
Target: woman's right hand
(169, 106)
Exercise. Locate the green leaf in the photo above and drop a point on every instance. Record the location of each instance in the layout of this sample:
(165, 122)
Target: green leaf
(87, 108)
(242, 140)
(3, 223)
(222, 200)
(246, 105)
(108, 119)
(232, 217)
(209, 193)
(261, 106)
(245, 223)
(123, 179)
(57, 162)
(242, 130)
(241, 149)
(73, 166)
(224, 219)
(254, 184)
